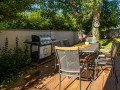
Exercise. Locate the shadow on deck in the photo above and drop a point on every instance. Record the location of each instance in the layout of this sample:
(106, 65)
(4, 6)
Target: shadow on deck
(46, 78)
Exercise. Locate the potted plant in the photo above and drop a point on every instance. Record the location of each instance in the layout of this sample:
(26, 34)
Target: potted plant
(81, 35)
(87, 41)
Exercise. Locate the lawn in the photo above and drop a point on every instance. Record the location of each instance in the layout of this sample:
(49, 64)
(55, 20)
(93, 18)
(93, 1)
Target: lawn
(107, 42)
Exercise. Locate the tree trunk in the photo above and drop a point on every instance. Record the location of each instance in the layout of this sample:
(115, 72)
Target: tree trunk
(78, 25)
(75, 11)
(95, 31)
(96, 17)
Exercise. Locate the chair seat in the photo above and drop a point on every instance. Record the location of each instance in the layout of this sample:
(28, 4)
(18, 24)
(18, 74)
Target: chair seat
(70, 74)
(105, 55)
(103, 61)
(101, 55)
(81, 60)
(76, 71)
(106, 51)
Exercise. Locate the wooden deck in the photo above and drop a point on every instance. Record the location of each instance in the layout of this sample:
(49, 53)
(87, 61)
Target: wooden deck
(50, 80)
(52, 83)
(105, 81)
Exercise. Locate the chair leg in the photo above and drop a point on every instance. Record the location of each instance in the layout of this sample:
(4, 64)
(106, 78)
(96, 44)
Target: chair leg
(113, 66)
(111, 70)
(59, 81)
(87, 69)
(101, 68)
(116, 77)
(55, 62)
(95, 70)
(115, 72)
(80, 81)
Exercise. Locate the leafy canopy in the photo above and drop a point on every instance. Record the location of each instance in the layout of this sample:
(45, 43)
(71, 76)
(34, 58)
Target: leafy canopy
(9, 9)
(110, 14)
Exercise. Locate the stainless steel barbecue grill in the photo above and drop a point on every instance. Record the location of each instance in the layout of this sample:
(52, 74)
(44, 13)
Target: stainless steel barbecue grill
(43, 45)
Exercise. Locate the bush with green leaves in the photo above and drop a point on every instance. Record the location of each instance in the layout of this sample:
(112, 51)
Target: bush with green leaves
(42, 20)
(12, 60)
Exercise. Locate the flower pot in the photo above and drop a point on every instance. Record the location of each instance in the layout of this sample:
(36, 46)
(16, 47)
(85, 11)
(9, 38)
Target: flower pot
(86, 43)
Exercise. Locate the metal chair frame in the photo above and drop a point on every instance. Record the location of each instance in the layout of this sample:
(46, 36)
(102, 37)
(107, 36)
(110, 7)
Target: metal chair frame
(63, 70)
(109, 53)
(102, 61)
(56, 43)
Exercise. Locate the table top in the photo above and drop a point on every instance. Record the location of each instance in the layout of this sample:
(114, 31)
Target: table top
(93, 48)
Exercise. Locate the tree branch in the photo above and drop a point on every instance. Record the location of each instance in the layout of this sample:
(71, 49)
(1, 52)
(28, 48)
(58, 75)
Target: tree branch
(64, 2)
(74, 7)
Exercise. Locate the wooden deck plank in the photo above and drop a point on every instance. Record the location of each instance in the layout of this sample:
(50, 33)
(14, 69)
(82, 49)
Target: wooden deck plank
(75, 85)
(46, 80)
(53, 83)
(65, 83)
(103, 82)
(84, 85)
(100, 82)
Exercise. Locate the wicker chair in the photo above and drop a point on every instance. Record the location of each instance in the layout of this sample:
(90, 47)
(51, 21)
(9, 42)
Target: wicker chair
(56, 43)
(102, 61)
(69, 63)
(66, 43)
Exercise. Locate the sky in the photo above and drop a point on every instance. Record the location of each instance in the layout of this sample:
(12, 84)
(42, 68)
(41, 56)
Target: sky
(38, 6)
(35, 6)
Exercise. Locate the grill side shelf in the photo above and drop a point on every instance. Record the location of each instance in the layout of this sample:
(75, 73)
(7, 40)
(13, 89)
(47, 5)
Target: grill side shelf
(37, 43)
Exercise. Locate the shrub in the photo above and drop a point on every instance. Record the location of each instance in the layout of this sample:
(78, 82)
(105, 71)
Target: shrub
(12, 60)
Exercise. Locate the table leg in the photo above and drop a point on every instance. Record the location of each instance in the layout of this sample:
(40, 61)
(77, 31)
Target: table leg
(31, 52)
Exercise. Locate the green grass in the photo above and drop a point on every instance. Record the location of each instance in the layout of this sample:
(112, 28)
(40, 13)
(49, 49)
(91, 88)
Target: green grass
(107, 42)
(118, 39)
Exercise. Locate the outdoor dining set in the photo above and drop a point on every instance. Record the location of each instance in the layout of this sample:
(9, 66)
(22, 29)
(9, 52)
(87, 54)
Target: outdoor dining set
(73, 60)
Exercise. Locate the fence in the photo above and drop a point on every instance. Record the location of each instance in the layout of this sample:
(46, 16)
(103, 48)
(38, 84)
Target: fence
(110, 33)
(58, 35)
(26, 35)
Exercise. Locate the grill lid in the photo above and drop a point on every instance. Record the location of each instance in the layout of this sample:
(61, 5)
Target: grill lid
(43, 39)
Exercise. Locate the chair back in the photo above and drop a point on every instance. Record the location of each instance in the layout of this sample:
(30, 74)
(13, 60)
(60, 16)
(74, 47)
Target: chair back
(112, 46)
(56, 43)
(68, 59)
(66, 43)
(114, 49)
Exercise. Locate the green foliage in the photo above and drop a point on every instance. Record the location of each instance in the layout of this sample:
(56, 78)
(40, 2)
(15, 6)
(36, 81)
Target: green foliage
(119, 25)
(12, 60)
(9, 9)
(87, 40)
(118, 39)
(109, 14)
(80, 9)
(107, 42)
(59, 15)
(43, 20)
(87, 25)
